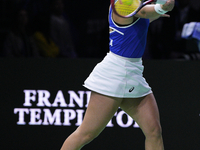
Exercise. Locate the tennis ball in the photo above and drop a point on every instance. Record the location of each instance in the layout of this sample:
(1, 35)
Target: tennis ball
(127, 2)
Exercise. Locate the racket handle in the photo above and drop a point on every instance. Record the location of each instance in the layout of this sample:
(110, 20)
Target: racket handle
(161, 2)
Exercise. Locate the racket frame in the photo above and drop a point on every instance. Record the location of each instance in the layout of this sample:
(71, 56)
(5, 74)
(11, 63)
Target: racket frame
(142, 4)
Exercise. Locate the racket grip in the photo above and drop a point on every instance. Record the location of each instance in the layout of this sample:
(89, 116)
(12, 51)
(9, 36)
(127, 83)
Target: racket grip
(161, 2)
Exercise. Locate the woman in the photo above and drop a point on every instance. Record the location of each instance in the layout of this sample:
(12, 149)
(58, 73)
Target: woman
(117, 81)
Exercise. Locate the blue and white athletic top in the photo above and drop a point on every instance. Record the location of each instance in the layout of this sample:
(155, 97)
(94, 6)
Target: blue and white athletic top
(128, 41)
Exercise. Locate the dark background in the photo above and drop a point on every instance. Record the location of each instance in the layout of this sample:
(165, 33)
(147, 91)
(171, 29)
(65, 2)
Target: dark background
(175, 84)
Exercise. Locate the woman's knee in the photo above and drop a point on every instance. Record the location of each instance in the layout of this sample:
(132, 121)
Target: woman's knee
(86, 136)
(154, 130)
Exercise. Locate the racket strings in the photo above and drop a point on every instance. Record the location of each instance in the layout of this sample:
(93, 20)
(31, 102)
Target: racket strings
(124, 10)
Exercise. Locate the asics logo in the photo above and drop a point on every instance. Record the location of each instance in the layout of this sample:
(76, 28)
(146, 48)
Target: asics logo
(131, 89)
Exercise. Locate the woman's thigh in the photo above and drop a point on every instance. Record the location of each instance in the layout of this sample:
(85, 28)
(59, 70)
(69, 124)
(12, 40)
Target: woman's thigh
(100, 110)
(144, 111)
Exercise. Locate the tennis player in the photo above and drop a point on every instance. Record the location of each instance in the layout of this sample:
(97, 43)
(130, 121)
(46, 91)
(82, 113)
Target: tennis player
(117, 81)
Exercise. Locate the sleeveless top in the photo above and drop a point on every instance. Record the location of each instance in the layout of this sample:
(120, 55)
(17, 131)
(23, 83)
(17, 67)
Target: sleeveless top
(130, 40)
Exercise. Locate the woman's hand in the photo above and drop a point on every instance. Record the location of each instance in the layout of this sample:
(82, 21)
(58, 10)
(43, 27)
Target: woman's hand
(168, 6)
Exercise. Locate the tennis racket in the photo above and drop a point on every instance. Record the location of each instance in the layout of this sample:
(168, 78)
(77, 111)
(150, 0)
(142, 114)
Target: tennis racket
(128, 8)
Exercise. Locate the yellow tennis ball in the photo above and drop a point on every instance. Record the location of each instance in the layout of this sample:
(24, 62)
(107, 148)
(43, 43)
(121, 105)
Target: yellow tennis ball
(127, 2)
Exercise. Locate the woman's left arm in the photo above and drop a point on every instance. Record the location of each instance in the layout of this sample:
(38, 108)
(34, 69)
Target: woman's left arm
(154, 11)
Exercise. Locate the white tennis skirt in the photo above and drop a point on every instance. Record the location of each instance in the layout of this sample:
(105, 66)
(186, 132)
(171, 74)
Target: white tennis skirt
(118, 76)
